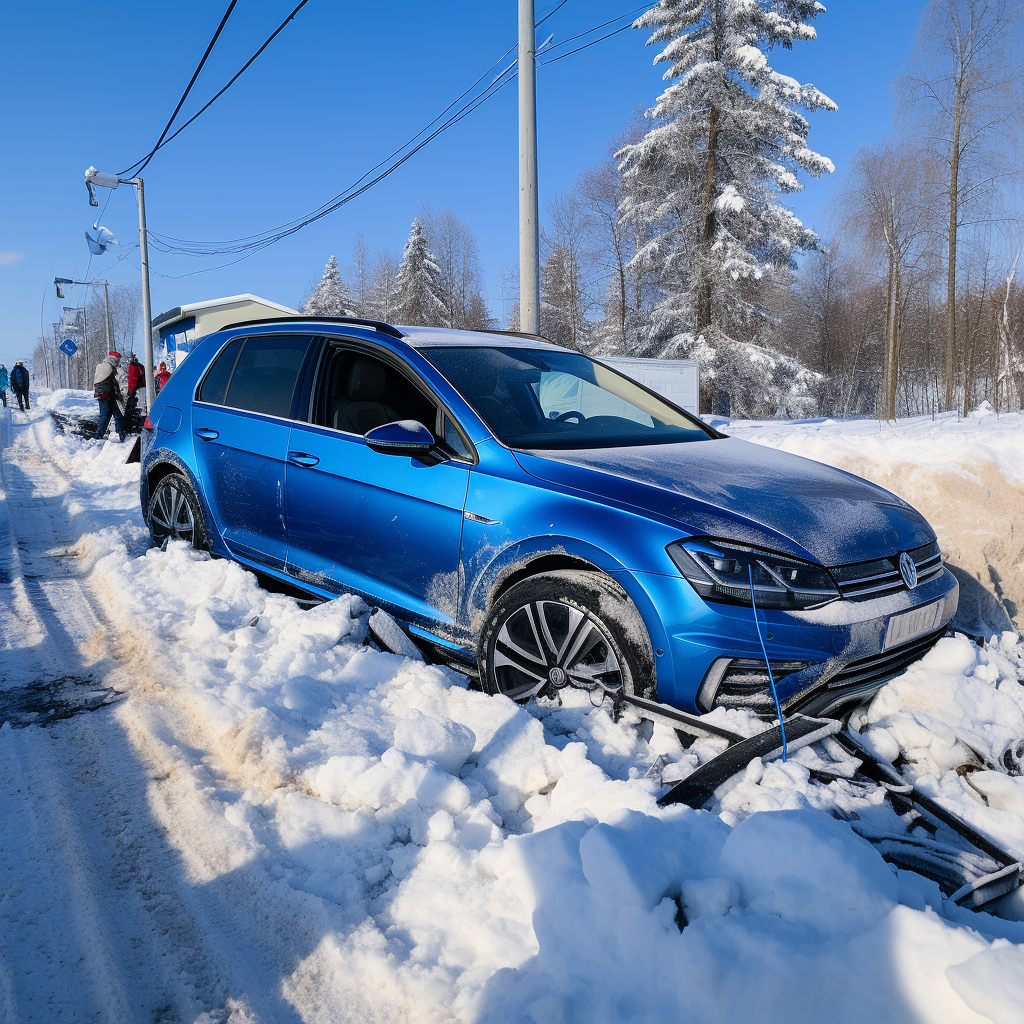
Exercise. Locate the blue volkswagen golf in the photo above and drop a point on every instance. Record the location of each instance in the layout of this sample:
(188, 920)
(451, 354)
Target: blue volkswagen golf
(532, 514)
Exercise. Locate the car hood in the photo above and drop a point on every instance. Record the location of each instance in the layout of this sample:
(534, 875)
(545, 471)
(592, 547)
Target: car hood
(736, 490)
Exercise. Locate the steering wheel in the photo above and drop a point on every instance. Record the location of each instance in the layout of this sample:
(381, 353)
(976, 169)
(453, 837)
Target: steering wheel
(572, 412)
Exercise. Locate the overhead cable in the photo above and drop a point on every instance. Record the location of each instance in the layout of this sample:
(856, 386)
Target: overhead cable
(140, 165)
(245, 67)
(247, 245)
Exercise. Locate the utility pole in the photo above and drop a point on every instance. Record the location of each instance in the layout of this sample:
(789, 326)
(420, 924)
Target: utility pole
(147, 311)
(106, 310)
(94, 179)
(529, 228)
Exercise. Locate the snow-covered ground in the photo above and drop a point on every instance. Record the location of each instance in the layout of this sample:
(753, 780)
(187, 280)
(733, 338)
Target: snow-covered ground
(263, 819)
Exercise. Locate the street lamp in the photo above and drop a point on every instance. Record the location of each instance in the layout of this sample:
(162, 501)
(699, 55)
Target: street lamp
(100, 179)
(58, 281)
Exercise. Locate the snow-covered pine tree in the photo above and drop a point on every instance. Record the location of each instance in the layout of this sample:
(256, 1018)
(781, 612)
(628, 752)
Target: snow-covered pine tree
(562, 316)
(418, 284)
(329, 297)
(728, 140)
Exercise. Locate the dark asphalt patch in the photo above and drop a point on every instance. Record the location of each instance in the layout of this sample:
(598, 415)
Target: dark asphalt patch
(46, 701)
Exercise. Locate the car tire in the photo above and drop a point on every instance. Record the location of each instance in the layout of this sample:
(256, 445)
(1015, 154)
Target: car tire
(175, 513)
(564, 628)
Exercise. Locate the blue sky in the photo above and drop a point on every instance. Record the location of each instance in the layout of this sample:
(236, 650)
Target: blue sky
(344, 84)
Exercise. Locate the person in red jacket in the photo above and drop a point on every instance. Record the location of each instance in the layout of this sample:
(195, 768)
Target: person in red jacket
(136, 375)
(162, 377)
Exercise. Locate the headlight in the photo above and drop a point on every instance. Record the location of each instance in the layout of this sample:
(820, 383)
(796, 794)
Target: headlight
(723, 571)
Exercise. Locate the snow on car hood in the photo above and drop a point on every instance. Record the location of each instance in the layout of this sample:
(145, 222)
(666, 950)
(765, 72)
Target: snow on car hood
(741, 491)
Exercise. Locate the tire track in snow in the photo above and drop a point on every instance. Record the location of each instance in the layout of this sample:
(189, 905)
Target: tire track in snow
(99, 919)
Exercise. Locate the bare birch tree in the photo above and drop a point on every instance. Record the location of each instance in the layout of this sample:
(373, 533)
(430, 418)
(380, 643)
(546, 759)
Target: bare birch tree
(882, 204)
(963, 92)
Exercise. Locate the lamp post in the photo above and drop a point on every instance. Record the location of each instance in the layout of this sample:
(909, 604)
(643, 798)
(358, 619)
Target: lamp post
(101, 179)
(58, 281)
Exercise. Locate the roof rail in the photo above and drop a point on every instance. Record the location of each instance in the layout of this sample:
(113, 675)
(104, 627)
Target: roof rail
(354, 321)
(514, 334)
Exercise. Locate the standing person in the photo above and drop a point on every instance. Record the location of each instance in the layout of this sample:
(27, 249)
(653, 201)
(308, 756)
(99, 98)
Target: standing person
(136, 380)
(5, 383)
(19, 385)
(136, 374)
(162, 377)
(108, 394)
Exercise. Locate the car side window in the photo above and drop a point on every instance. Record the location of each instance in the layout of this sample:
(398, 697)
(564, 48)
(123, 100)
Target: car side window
(266, 373)
(454, 439)
(362, 392)
(215, 383)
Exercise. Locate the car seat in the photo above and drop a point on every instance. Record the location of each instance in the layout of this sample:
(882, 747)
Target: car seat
(362, 407)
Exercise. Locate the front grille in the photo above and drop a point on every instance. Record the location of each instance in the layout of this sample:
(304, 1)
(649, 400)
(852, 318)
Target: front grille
(864, 580)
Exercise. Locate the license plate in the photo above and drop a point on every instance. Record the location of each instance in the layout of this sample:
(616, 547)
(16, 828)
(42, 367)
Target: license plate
(910, 625)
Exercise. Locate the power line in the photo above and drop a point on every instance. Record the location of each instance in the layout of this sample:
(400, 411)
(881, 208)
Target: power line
(184, 96)
(551, 13)
(245, 67)
(250, 244)
(256, 242)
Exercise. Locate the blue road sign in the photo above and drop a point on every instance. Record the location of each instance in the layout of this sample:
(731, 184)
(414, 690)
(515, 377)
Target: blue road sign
(68, 347)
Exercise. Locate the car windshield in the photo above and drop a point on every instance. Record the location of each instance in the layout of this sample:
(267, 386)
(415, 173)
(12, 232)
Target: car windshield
(536, 398)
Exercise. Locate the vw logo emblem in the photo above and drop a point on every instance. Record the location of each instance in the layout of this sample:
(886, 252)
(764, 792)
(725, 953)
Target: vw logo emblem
(557, 677)
(908, 570)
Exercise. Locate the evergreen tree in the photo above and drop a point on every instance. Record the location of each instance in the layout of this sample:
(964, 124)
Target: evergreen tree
(562, 316)
(705, 181)
(329, 297)
(418, 284)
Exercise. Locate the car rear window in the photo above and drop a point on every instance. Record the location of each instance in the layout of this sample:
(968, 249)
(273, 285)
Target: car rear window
(265, 374)
(215, 383)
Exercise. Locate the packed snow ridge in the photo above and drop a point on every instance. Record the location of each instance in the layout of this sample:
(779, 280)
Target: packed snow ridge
(404, 847)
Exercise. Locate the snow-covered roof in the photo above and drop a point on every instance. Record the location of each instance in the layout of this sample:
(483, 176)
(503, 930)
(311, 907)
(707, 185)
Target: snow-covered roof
(192, 308)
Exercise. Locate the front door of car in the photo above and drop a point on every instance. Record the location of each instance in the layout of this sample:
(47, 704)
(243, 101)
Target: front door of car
(388, 526)
(241, 420)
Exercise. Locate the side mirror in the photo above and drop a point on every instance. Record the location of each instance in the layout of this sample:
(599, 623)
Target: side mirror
(403, 437)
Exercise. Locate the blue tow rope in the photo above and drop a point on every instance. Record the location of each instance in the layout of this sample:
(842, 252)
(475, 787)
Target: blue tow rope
(771, 677)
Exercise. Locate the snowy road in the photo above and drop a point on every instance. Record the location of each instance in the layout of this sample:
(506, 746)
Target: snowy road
(100, 920)
(217, 806)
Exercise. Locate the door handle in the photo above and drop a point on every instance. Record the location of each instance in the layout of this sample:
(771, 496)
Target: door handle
(302, 459)
(207, 434)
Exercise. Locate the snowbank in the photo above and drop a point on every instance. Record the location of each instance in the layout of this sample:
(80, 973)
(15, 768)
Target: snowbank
(70, 402)
(455, 856)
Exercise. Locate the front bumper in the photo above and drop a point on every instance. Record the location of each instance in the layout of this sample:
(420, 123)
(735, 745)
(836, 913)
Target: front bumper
(842, 643)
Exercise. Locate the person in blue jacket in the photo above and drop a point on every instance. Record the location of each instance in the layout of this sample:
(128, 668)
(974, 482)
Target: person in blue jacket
(19, 384)
(5, 383)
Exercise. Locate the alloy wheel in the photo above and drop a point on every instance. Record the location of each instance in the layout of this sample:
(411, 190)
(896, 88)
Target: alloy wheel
(555, 644)
(171, 517)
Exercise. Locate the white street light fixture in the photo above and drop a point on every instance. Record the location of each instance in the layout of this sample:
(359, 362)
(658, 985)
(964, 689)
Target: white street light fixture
(100, 179)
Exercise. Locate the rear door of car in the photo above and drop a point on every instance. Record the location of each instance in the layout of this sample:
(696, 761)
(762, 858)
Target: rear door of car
(387, 526)
(241, 420)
